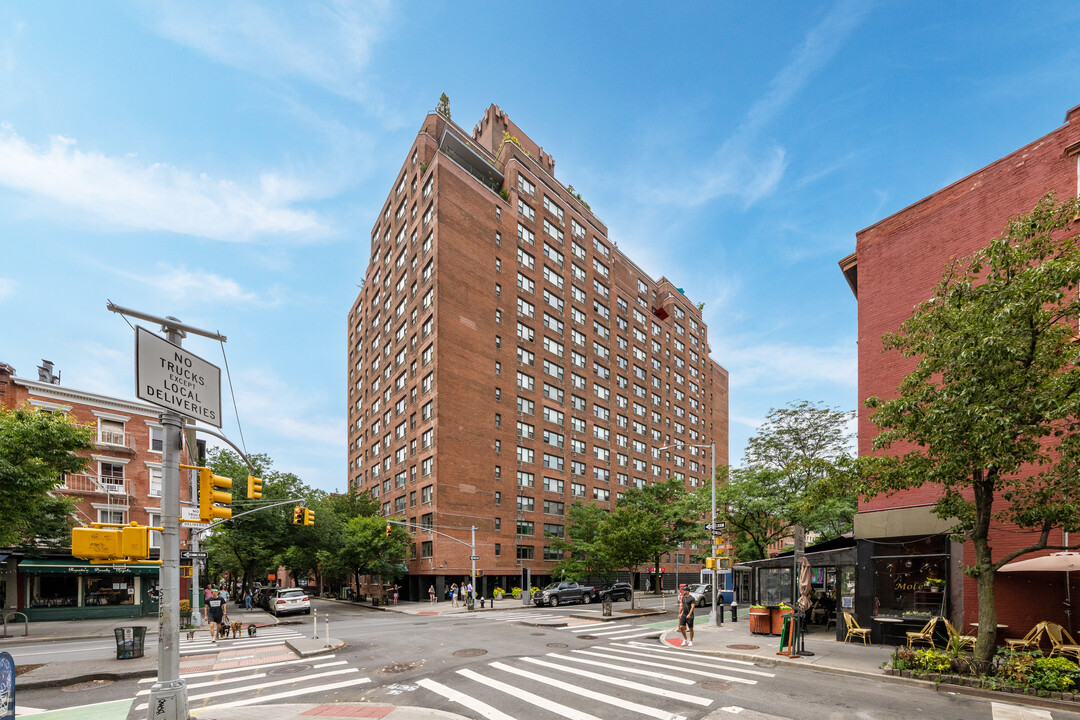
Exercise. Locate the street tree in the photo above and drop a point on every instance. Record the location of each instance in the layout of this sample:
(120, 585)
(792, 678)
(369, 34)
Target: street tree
(677, 512)
(36, 450)
(584, 557)
(989, 415)
(631, 537)
(369, 551)
(757, 507)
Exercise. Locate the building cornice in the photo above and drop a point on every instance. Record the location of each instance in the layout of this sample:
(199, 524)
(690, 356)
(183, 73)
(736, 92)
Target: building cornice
(60, 394)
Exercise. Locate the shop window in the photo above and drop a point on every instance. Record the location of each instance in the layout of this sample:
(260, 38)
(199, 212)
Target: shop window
(910, 579)
(110, 590)
(53, 591)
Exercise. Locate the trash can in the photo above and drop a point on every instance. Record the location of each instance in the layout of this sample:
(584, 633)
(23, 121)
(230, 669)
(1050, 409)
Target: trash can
(130, 642)
(607, 604)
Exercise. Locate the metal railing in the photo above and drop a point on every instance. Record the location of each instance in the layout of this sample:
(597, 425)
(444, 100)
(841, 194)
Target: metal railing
(26, 622)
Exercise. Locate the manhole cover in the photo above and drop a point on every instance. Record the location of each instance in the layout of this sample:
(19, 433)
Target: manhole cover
(714, 686)
(88, 685)
(470, 652)
(288, 670)
(394, 668)
(538, 634)
(744, 647)
(586, 637)
(556, 645)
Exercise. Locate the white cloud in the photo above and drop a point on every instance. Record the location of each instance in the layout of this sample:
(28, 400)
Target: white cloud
(7, 288)
(156, 197)
(326, 43)
(745, 165)
(781, 367)
(269, 403)
(204, 286)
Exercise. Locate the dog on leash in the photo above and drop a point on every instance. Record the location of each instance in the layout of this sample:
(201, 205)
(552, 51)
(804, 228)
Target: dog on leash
(236, 629)
(190, 635)
(251, 630)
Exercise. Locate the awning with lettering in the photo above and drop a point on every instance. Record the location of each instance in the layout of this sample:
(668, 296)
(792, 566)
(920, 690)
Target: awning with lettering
(79, 567)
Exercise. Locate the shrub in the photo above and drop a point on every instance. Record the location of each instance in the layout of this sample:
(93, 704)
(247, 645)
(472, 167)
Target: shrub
(903, 658)
(932, 661)
(1056, 674)
(1018, 667)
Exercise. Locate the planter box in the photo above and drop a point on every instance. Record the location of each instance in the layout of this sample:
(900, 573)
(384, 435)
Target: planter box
(776, 618)
(760, 623)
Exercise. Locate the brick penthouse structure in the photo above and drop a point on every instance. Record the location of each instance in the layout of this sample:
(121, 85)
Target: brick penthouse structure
(121, 483)
(506, 360)
(906, 561)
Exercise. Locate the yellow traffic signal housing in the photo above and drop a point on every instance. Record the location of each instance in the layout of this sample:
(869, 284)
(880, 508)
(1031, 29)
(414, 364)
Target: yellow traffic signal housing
(135, 542)
(254, 488)
(309, 516)
(298, 515)
(725, 563)
(95, 543)
(709, 563)
(387, 529)
(212, 494)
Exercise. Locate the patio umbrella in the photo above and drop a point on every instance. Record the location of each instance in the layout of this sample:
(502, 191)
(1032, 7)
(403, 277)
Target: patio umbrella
(1063, 562)
(805, 599)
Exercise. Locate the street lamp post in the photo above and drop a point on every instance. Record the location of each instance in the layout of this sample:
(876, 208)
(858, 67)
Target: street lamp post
(714, 616)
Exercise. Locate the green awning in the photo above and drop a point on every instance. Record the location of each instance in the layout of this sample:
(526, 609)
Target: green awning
(79, 567)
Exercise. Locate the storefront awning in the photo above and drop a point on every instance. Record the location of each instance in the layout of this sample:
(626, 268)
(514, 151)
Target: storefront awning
(78, 567)
(900, 522)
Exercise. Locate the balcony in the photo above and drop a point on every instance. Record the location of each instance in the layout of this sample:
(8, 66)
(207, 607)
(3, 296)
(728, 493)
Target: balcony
(117, 490)
(116, 439)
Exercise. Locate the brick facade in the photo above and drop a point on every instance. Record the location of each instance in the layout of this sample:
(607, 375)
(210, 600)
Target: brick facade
(896, 263)
(505, 357)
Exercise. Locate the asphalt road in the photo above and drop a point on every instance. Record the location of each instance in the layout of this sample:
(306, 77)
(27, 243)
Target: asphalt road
(490, 665)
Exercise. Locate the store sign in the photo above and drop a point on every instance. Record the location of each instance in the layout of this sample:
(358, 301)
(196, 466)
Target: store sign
(173, 378)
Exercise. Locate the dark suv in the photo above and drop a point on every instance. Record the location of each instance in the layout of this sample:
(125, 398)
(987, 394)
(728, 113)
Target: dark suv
(617, 591)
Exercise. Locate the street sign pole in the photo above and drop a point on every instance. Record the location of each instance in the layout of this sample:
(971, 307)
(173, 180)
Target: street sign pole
(472, 559)
(168, 696)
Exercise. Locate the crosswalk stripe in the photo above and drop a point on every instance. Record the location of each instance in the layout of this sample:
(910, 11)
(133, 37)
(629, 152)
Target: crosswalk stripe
(262, 686)
(621, 627)
(679, 653)
(1004, 711)
(640, 633)
(549, 706)
(657, 713)
(682, 658)
(216, 681)
(290, 694)
(622, 682)
(245, 668)
(654, 663)
(213, 649)
(473, 704)
(623, 668)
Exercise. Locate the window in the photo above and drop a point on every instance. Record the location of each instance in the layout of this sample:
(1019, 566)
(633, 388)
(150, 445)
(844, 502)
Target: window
(577, 468)
(525, 503)
(553, 277)
(525, 308)
(551, 553)
(524, 332)
(552, 254)
(525, 430)
(554, 485)
(525, 479)
(554, 462)
(525, 186)
(576, 229)
(525, 527)
(525, 283)
(601, 494)
(111, 474)
(552, 208)
(552, 369)
(553, 231)
(553, 438)
(553, 393)
(578, 250)
(155, 484)
(110, 432)
(157, 439)
(426, 466)
(525, 455)
(525, 552)
(552, 299)
(526, 235)
(525, 406)
(526, 259)
(426, 549)
(525, 357)
(553, 507)
(525, 381)
(553, 323)
(552, 415)
(525, 210)
(577, 489)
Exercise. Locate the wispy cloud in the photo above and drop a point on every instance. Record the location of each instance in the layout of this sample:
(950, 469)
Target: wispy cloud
(7, 288)
(325, 43)
(125, 193)
(746, 165)
(783, 367)
(268, 402)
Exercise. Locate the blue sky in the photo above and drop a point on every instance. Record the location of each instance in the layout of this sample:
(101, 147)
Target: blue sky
(223, 162)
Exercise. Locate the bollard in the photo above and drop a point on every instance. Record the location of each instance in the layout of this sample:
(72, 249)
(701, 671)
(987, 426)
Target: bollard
(734, 611)
(481, 601)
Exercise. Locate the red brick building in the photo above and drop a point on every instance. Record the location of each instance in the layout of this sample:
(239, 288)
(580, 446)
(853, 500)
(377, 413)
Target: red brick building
(122, 483)
(506, 359)
(903, 555)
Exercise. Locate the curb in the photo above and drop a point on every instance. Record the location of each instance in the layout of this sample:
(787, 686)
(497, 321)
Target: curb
(317, 651)
(57, 682)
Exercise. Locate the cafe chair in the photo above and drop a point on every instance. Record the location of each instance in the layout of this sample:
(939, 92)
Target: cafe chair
(1028, 642)
(1058, 637)
(925, 635)
(831, 621)
(853, 629)
(966, 641)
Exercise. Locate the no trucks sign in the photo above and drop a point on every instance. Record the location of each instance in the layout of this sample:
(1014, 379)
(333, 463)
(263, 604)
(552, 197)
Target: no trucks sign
(173, 378)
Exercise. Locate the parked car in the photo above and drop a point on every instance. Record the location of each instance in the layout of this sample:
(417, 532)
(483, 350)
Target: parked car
(617, 591)
(564, 592)
(702, 594)
(289, 600)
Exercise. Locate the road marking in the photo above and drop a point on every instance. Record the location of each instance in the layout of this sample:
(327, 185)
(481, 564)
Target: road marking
(192, 686)
(244, 668)
(591, 694)
(19, 712)
(483, 709)
(653, 663)
(621, 682)
(290, 694)
(640, 633)
(608, 629)
(679, 653)
(549, 706)
(218, 649)
(623, 668)
(682, 658)
(1003, 711)
(263, 686)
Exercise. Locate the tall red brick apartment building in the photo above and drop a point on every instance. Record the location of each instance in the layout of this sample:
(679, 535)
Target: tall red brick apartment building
(507, 360)
(897, 261)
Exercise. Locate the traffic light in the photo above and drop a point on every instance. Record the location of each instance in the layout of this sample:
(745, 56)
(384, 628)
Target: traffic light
(725, 563)
(718, 542)
(95, 543)
(298, 515)
(135, 542)
(212, 494)
(387, 529)
(254, 488)
(309, 516)
(709, 563)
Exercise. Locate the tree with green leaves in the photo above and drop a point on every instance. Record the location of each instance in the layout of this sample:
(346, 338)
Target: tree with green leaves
(369, 551)
(678, 513)
(443, 108)
(584, 557)
(631, 536)
(989, 414)
(757, 507)
(36, 450)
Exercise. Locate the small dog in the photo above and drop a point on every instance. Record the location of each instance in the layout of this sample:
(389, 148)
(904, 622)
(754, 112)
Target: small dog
(251, 630)
(190, 635)
(236, 629)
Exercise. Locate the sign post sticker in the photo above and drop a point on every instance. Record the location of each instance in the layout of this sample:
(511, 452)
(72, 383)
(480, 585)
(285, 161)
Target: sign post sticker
(173, 378)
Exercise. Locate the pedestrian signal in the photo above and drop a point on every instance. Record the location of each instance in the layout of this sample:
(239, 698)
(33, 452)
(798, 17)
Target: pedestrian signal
(709, 563)
(298, 515)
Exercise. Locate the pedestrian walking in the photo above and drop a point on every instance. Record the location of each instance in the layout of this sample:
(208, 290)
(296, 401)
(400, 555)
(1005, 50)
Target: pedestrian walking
(453, 594)
(468, 594)
(206, 593)
(686, 616)
(396, 588)
(215, 613)
(247, 600)
(224, 594)
(431, 594)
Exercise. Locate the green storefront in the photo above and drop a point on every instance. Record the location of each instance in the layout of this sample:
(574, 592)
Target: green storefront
(77, 590)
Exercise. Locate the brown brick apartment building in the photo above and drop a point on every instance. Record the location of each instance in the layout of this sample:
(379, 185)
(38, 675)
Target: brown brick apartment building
(507, 360)
(895, 265)
(121, 483)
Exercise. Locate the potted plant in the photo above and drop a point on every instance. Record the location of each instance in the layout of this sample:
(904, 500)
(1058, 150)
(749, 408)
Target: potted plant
(776, 618)
(498, 593)
(759, 620)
